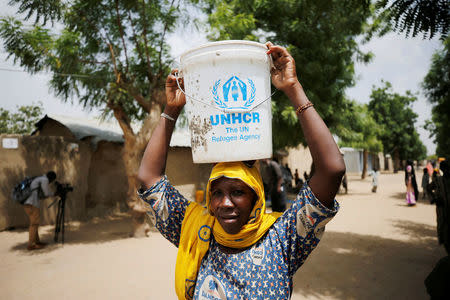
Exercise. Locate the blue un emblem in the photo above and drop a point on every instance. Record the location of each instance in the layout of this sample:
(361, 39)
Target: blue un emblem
(212, 285)
(236, 94)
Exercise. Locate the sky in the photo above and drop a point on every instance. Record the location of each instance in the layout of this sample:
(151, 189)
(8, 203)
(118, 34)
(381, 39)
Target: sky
(402, 61)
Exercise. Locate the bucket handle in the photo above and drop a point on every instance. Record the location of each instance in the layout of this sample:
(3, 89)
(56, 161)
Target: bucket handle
(176, 74)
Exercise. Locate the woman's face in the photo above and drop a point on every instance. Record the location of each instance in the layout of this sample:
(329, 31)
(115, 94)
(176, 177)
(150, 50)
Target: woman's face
(231, 203)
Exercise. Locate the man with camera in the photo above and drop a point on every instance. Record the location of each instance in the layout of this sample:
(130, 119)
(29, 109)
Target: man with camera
(40, 190)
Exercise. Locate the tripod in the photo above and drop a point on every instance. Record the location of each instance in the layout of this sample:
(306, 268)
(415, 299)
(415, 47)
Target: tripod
(60, 216)
(61, 191)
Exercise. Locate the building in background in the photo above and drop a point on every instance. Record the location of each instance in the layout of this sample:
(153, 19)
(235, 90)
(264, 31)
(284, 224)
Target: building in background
(354, 159)
(88, 155)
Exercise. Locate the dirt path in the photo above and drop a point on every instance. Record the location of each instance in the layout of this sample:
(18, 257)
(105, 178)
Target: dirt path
(376, 247)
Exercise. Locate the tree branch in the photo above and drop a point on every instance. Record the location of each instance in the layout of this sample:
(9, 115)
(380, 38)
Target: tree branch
(166, 24)
(106, 40)
(113, 58)
(122, 118)
(122, 82)
(92, 62)
(134, 37)
(144, 33)
(134, 92)
(119, 24)
(138, 47)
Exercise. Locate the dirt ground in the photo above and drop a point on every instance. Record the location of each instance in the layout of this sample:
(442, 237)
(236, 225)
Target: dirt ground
(375, 248)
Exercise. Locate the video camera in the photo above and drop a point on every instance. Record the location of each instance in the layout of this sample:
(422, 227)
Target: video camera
(63, 188)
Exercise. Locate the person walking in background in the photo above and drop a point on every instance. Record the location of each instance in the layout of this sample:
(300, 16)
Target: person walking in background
(431, 187)
(344, 183)
(430, 168)
(41, 190)
(439, 190)
(374, 173)
(273, 184)
(287, 179)
(413, 179)
(425, 181)
(298, 181)
(305, 175)
(409, 178)
(296, 177)
(288, 169)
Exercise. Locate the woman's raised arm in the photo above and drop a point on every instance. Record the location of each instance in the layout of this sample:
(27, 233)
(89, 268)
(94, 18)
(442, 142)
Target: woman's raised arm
(328, 161)
(153, 162)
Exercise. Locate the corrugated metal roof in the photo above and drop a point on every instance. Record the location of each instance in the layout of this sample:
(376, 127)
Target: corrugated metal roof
(109, 130)
(83, 128)
(181, 138)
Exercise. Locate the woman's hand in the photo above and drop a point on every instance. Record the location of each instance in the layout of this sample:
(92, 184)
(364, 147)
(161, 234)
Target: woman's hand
(174, 96)
(284, 76)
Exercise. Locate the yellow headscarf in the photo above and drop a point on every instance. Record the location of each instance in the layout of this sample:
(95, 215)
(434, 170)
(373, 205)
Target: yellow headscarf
(197, 224)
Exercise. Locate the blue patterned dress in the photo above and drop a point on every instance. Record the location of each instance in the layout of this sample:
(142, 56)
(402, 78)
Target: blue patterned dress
(263, 271)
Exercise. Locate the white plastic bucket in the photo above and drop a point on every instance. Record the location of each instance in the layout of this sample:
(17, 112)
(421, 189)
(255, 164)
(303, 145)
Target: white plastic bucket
(227, 86)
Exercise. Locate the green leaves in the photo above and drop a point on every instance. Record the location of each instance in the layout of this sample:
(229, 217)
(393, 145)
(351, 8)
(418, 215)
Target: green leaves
(227, 24)
(31, 48)
(108, 54)
(429, 17)
(385, 124)
(320, 36)
(437, 89)
(358, 129)
(394, 113)
(42, 10)
(22, 121)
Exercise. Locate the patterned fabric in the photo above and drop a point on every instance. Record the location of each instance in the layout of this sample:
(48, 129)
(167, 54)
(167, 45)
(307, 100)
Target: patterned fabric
(166, 207)
(198, 223)
(265, 270)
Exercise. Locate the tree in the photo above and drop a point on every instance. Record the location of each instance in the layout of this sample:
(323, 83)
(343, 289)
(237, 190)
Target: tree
(399, 136)
(108, 54)
(429, 17)
(319, 34)
(22, 121)
(358, 129)
(437, 89)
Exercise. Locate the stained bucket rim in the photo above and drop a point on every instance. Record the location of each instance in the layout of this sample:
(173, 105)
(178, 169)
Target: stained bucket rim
(218, 43)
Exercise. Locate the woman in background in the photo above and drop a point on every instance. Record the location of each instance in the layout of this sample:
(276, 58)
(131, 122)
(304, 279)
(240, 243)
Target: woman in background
(409, 179)
(425, 181)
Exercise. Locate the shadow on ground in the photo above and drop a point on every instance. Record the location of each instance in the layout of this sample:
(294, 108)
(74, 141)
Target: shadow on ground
(98, 230)
(353, 266)
(416, 231)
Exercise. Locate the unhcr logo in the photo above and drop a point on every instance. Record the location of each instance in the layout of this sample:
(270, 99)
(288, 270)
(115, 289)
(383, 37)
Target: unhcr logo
(236, 94)
(234, 118)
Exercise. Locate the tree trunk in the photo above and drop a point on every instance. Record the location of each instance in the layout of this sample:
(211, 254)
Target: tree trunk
(131, 159)
(396, 160)
(132, 155)
(365, 159)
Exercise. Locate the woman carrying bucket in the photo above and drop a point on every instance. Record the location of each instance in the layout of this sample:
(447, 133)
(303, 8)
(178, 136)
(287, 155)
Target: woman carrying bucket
(233, 249)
